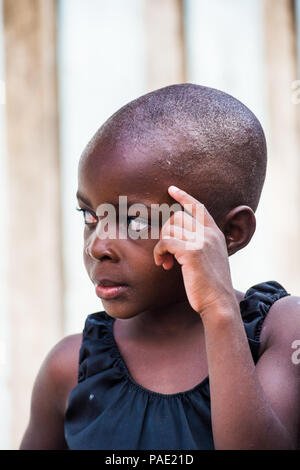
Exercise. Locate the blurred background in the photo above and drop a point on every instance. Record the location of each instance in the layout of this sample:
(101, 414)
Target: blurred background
(65, 67)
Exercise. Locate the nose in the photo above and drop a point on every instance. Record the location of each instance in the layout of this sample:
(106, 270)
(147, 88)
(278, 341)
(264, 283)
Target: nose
(101, 250)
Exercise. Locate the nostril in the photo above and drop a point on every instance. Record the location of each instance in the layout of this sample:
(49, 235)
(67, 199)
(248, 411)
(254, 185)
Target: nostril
(103, 258)
(96, 253)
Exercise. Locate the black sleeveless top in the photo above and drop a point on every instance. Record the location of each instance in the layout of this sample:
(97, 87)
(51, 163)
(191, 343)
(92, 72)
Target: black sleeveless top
(109, 410)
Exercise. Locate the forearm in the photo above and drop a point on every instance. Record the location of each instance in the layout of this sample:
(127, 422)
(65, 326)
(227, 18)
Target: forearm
(242, 417)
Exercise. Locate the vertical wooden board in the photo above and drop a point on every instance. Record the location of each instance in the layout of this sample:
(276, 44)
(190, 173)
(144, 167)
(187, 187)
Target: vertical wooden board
(34, 271)
(5, 403)
(284, 142)
(165, 50)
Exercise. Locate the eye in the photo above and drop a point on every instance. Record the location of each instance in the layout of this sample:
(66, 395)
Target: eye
(137, 223)
(89, 218)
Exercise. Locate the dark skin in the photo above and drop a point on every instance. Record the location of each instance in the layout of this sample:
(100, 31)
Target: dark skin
(163, 323)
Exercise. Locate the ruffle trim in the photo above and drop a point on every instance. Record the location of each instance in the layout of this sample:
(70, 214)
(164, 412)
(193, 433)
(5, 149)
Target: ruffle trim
(254, 308)
(258, 301)
(99, 342)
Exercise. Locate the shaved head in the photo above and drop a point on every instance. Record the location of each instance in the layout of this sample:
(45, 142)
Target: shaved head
(207, 139)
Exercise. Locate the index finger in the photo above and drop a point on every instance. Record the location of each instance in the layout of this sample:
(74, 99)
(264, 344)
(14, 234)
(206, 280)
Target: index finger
(191, 205)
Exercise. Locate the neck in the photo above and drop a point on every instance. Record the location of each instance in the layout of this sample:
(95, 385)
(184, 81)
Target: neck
(169, 321)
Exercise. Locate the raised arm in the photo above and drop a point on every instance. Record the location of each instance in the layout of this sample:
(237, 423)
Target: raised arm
(251, 407)
(255, 407)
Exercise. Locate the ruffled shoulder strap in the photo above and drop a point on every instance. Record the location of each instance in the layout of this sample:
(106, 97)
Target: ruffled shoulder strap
(255, 307)
(98, 326)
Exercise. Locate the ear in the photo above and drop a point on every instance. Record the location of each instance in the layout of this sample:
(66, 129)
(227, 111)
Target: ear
(238, 227)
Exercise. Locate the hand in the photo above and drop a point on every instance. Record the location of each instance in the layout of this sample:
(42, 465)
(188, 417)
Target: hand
(199, 246)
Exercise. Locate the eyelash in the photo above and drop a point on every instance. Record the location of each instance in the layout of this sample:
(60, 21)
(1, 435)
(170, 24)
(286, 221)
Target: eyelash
(84, 211)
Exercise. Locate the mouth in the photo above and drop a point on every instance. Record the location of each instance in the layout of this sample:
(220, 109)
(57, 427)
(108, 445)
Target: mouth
(108, 290)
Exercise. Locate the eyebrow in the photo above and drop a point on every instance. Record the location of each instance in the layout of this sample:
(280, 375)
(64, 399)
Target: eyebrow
(83, 199)
(87, 202)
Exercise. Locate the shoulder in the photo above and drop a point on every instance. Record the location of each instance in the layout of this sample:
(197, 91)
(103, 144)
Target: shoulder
(281, 327)
(60, 368)
(56, 378)
(65, 352)
(279, 360)
(278, 367)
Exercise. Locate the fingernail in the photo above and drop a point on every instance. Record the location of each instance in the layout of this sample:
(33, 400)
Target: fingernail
(174, 188)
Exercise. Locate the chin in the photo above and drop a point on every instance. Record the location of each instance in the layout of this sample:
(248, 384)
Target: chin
(120, 311)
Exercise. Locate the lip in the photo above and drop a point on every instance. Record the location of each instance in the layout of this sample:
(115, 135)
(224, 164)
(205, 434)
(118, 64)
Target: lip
(111, 291)
(105, 282)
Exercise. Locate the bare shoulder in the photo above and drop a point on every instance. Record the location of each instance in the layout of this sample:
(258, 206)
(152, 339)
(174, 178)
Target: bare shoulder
(61, 366)
(282, 324)
(278, 367)
(56, 378)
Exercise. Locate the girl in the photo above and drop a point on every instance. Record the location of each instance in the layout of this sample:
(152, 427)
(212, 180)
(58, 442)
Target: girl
(178, 359)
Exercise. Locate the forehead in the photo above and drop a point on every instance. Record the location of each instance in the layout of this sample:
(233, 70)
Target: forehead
(105, 172)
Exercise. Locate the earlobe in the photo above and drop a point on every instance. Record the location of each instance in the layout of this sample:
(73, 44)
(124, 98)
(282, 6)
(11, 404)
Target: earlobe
(239, 227)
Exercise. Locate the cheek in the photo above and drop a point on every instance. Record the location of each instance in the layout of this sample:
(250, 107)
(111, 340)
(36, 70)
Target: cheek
(164, 287)
(85, 258)
(87, 261)
(156, 277)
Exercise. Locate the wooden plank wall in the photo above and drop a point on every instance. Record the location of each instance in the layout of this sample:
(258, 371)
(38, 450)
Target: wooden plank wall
(165, 48)
(34, 272)
(281, 70)
(35, 281)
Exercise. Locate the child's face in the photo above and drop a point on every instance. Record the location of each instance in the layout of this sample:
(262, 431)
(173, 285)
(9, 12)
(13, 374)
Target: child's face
(104, 175)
